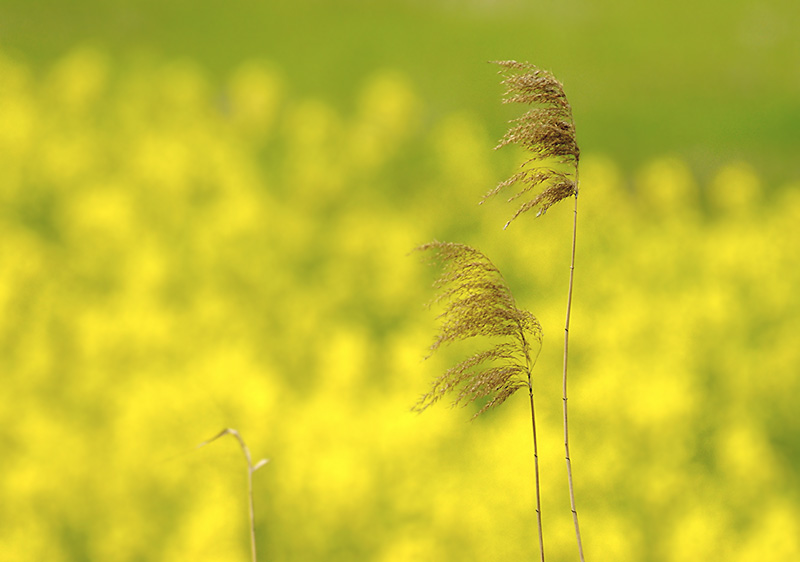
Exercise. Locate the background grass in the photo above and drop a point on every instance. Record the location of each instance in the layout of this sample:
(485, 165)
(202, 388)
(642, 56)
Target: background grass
(704, 81)
(206, 215)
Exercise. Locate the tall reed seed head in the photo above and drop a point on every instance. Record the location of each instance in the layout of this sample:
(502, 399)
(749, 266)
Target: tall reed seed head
(547, 131)
(477, 302)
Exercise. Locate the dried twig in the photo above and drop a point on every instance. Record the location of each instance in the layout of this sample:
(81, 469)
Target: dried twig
(251, 468)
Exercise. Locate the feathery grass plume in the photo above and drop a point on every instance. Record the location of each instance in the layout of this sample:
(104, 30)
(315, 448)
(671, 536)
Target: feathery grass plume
(547, 131)
(477, 302)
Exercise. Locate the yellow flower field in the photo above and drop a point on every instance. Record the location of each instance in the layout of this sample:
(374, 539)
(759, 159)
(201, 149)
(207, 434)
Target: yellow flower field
(179, 256)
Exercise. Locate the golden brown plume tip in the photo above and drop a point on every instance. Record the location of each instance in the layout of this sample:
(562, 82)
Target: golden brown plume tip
(477, 302)
(547, 131)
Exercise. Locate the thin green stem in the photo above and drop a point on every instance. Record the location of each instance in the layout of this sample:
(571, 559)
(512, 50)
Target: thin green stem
(252, 510)
(564, 377)
(535, 451)
(536, 470)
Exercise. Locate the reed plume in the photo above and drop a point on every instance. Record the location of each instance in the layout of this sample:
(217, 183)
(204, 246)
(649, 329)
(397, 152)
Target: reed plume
(547, 132)
(477, 302)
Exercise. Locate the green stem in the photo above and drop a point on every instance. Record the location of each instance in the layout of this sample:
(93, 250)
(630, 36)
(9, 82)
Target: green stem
(536, 470)
(535, 445)
(564, 378)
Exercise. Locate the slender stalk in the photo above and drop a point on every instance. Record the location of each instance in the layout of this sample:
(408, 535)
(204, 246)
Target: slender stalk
(564, 376)
(535, 451)
(536, 470)
(250, 470)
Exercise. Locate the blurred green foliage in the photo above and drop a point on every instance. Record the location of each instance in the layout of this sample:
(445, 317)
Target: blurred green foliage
(181, 253)
(705, 81)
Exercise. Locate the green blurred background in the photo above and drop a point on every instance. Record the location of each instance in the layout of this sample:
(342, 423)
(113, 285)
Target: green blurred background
(206, 211)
